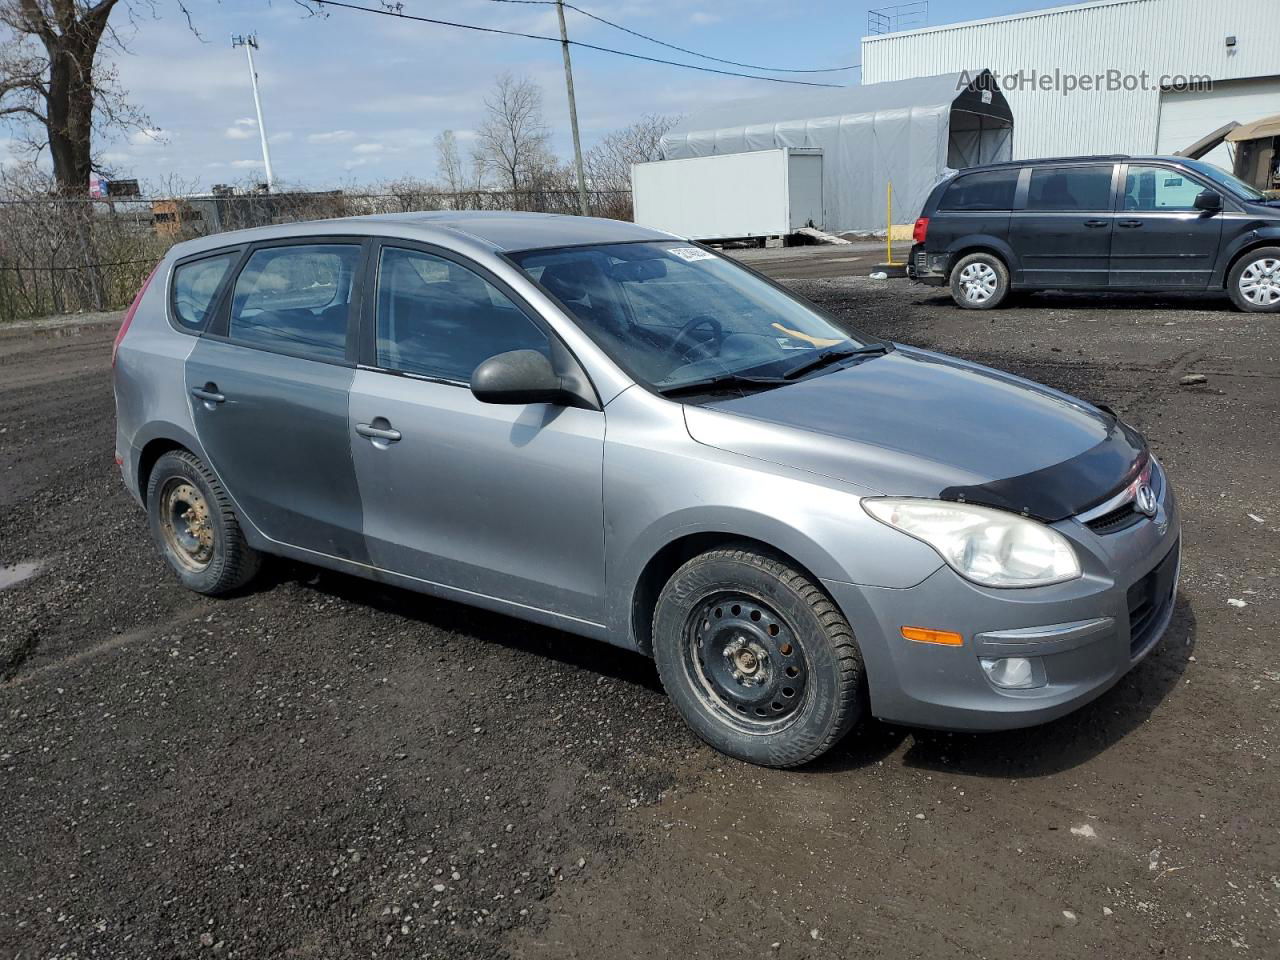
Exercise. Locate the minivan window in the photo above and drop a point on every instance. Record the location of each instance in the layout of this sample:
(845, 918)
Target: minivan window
(992, 190)
(1070, 188)
(438, 319)
(296, 299)
(1222, 178)
(195, 284)
(1152, 189)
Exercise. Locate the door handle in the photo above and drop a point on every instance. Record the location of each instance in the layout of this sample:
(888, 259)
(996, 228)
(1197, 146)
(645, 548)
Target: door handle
(374, 432)
(208, 393)
(1129, 223)
(1096, 223)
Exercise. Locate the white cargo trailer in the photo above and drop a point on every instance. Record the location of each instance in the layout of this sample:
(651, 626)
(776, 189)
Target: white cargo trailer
(762, 193)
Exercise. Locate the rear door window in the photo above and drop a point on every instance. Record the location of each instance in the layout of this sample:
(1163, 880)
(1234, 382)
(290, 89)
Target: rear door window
(1070, 188)
(438, 319)
(296, 299)
(992, 190)
(195, 287)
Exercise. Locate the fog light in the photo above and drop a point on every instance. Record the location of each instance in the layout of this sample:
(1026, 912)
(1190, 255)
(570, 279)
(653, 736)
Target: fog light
(1009, 672)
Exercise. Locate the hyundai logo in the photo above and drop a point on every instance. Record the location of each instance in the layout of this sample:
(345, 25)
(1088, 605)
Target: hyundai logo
(1145, 500)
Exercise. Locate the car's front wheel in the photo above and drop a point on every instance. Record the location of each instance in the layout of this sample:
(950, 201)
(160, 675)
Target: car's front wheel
(979, 281)
(1254, 281)
(757, 659)
(193, 524)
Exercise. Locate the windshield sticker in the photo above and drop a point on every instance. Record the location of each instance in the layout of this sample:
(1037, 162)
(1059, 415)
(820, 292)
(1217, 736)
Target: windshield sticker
(786, 343)
(691, 254)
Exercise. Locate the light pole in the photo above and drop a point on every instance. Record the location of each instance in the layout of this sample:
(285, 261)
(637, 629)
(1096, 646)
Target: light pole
(250, 44)
(583, 206)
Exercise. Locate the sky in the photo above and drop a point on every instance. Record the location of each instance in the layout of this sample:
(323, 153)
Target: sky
(356, 99)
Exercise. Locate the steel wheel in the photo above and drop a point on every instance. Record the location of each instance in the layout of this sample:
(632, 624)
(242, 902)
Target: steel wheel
(979, 282)
(745, 663)
(1260, 282)
(185, 524)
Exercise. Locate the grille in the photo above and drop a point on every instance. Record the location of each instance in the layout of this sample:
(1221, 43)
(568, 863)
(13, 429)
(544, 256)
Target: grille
(1121, 518)
(1149, 600)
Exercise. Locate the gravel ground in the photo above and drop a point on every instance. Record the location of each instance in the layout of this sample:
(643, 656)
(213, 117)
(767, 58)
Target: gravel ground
(322, 767)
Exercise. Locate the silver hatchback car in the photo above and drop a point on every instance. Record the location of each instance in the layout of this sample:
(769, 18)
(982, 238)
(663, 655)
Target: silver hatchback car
(623, 434)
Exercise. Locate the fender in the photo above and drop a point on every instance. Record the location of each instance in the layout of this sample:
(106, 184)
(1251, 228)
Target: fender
(729, 522)
(157, 430)
(1264, 233)
(971, 241)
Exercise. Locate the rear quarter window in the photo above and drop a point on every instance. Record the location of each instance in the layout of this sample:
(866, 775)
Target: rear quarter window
(195, 288)
(981, 191)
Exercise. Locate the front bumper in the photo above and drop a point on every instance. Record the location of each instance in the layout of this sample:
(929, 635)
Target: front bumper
(1081, 637)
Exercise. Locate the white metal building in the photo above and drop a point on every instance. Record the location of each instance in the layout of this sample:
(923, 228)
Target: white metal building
(1234, 42)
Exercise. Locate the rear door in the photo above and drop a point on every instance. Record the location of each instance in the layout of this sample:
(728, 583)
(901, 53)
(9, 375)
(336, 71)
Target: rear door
(269, 383)
(504, 501)
(1062, 232)
(1161, 240)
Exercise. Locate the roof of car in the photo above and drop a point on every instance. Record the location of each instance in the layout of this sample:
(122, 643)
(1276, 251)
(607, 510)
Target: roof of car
(1042, 161)
(497, 230)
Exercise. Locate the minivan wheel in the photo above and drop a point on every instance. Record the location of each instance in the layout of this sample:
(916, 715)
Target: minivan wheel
(757, 659)
(1254, 281)
(195, 528)
(979, 281)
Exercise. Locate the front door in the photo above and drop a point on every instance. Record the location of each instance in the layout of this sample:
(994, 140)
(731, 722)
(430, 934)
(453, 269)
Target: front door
(1161, 240)
(268, 387)
(502, 501)
(1062, 234)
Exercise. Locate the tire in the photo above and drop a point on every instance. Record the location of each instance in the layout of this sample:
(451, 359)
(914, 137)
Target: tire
(728, 609)
(195, 528)
(1254, 281)
(979, 281)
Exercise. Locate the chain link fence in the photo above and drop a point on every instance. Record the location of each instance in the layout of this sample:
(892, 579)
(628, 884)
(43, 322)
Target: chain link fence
(62, 255)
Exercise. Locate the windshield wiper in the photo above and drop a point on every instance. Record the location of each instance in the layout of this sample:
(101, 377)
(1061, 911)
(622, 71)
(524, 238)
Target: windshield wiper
(725, 380)
(832, 356)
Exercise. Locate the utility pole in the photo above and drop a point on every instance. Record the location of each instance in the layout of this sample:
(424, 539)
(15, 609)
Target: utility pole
(250, 44)
(583, 206)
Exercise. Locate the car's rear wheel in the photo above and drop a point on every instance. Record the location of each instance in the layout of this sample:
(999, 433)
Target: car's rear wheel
(979, 281)
(195, 528)
(1254, 281)
(757, 659)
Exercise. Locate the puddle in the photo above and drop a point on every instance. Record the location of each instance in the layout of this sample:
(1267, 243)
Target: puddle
(15, 574)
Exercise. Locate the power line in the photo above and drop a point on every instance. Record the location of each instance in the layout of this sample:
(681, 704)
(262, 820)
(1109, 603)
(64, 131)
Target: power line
(576, 43)
(672, 46)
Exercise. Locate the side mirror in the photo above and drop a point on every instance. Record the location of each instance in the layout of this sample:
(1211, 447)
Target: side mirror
(518, 377)
(1210, 201)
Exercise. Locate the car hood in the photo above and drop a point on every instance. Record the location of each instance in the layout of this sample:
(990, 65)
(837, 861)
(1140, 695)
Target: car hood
(916, 423)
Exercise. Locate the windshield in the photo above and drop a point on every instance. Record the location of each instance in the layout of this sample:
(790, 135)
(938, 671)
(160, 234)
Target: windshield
(671, 314)
(1222, 178)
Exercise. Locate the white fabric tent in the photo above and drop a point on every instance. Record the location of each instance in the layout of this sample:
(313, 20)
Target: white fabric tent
(908, 131)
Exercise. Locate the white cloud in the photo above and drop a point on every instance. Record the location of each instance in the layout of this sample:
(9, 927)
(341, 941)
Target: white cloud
(149, 137)
(283, 137)
(239, 133)
(246, 122)
(246, 164)
(116, 159)
(368, 148)
(702, 19)
(331, 136)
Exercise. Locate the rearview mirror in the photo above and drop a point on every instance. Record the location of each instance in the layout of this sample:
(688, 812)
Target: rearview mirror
(1210, 201)
(519, 376)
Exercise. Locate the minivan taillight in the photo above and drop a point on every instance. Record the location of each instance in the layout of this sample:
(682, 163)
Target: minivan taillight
(921, 230)
(128, 314)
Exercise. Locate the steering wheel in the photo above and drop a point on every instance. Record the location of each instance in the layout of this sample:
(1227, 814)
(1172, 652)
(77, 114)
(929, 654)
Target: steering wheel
(701, 320)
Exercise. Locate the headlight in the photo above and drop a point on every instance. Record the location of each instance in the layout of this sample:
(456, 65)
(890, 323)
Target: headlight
(991, 547)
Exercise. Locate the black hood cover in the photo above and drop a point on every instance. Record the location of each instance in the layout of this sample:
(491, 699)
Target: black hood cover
(1068, 488)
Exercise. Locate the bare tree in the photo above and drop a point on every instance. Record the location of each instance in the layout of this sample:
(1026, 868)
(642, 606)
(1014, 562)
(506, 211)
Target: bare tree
(513, 138)
(609, 162)
(54, 85)
(448, 162)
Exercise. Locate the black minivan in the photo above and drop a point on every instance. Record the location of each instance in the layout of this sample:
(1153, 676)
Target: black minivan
(1099, 223)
